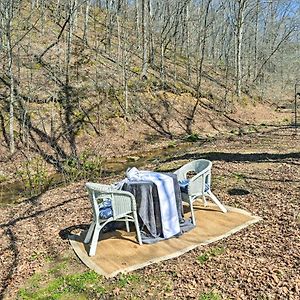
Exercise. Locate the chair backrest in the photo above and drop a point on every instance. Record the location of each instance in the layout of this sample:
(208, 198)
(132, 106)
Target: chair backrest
(201, 180)
(122, 202)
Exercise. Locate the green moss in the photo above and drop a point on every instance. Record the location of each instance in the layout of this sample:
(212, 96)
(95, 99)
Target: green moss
(192, 137)
(244, 101)
(58, 268)
(34, 256)
(219, 178)
(203, 258)
(136, 69)
(210, 254)
(239, 176)
(210, 296)
(2, 178)
(217, 251)
(172, 144)
(127, 279)
(169, 286)
(79, 286)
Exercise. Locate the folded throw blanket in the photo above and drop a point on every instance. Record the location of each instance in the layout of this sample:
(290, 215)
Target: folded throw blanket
(167, 199)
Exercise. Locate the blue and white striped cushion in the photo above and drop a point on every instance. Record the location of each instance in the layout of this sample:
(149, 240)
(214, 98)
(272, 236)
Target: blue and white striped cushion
(184, 186)
(105, 209)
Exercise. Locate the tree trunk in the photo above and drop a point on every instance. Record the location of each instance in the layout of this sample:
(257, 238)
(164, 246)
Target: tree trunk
(239, 41)
(9, 16)
(144, 23)
(86, 21)
(190, 120)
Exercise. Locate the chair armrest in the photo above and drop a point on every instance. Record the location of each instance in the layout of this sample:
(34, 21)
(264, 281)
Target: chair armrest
(203, 172)
(99, 187)
(107, 189)
(123, 201)
(120, 192)
(182, 172)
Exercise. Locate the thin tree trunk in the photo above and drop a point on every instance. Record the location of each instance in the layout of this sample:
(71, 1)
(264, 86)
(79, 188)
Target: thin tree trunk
(239, 41)
(188, 42)
(190, 120)
(86, 21)
(69, 107)
(3, 129)
(137, 25)
(9, 16)
(144, 39)
(256, 39)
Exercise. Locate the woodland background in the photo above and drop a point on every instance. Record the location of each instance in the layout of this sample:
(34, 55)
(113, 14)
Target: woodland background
(88, 88)
(70, 66)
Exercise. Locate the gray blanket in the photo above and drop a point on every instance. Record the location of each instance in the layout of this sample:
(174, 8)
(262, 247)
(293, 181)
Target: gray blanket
(148, 208)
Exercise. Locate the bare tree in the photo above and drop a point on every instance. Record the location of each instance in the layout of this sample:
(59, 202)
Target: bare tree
(145, 37)
(202, 49)
(7, 13)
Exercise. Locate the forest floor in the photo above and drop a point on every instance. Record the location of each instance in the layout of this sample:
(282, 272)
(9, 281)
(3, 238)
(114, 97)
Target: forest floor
(259, 172)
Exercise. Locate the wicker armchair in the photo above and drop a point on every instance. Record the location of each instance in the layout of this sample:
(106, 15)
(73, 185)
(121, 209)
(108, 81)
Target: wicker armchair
(109, 205)
(198, 185)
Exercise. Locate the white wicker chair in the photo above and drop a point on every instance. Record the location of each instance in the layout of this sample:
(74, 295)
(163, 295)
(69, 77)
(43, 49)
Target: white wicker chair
(123, 208)
(198, 185)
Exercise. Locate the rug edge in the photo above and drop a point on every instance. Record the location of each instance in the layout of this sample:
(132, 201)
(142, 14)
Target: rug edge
(89, 263)
(97, 269)
(185, 250)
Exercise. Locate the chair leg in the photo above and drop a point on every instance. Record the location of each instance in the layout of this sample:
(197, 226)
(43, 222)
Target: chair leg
(137, 228)
(89, 233)
(192, 212)
(204, 201)
(216, 200)
(127, 224)
(93, 246)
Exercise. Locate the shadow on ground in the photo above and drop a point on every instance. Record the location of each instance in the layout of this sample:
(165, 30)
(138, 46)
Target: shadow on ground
(8, 231)
(238, 157)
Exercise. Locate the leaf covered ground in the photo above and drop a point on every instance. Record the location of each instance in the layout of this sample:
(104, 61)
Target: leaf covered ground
(259, 172)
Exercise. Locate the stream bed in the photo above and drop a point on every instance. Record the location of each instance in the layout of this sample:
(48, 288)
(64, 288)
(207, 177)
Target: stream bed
(15, 192)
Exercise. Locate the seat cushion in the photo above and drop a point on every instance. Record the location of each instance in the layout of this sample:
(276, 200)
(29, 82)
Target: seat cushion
(105, 209)
(185, 183)
(207, 187)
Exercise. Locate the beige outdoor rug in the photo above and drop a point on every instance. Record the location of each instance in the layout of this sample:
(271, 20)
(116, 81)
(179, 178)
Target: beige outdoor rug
(119, 251)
